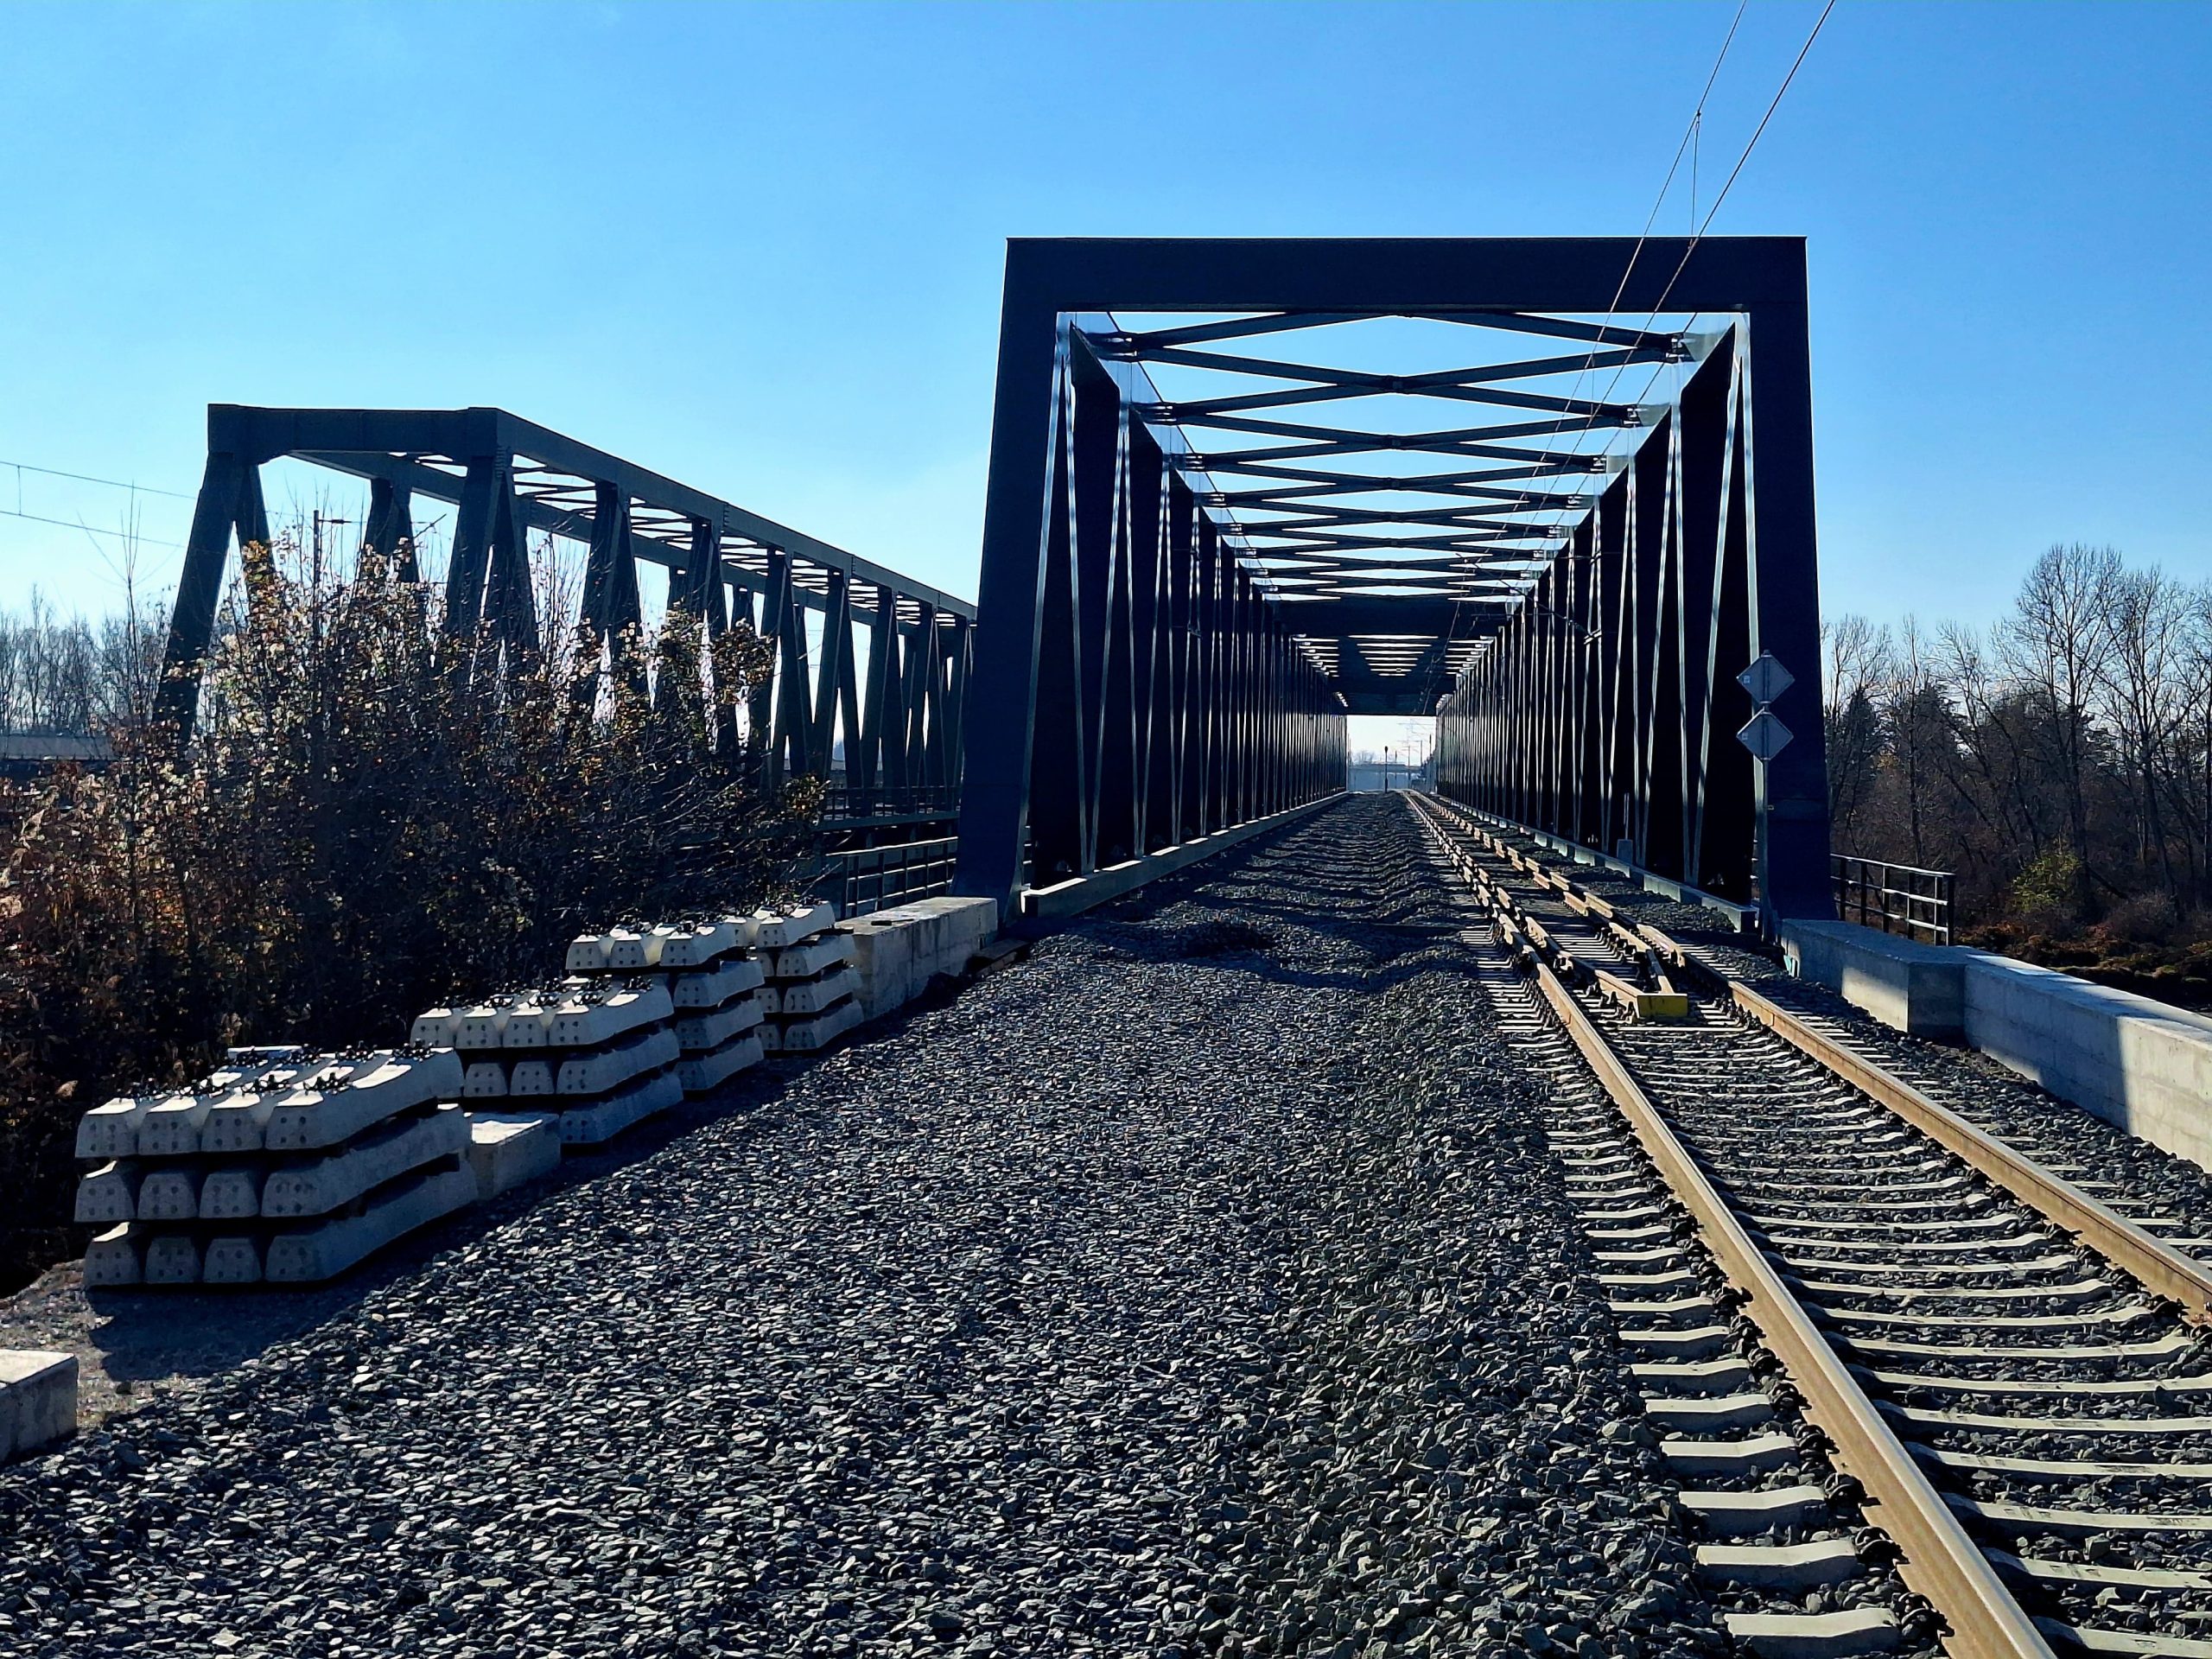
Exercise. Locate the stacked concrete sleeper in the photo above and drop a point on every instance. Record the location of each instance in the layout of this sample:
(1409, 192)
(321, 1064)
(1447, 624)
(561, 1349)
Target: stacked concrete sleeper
(290, 1166)
(712, 983)
(594, 1057)
(813, 990)
(285, 1166)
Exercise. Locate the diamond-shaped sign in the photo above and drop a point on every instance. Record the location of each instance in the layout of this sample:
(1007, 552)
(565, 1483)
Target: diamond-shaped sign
(1765, 736)
(1766, 679)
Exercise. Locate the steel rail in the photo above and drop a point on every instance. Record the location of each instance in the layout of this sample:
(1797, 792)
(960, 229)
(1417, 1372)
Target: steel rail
(2163, 1270)
(1940, 1561)
(2133, 1250)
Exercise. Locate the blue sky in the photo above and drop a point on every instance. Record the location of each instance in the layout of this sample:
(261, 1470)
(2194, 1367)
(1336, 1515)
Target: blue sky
(759, 247)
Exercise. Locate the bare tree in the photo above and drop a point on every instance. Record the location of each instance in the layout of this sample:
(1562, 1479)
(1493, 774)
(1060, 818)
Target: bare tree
(2192, 770)
(2140, 626)
(2051, 645)
(1994, 787)
(1859, 659)
(50, 671)
(1916, 718)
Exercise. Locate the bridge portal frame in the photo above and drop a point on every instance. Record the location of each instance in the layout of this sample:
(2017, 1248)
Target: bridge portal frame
(1045, 582)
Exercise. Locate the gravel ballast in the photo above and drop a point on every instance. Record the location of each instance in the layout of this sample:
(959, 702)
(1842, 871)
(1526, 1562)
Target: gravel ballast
(1204, 1284)
(1998, 1100)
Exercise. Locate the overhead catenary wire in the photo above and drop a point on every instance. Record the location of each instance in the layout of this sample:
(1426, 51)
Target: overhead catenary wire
(1689, 135)
(130, 537)
(1751, 143)
(22, 466)
(1712, 211)
(89, 530)
(1517, 587)
(1690, 132)
(424, 528)
(1683, 264)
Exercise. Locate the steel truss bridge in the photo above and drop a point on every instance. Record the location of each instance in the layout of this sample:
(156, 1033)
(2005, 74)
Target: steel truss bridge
(1242, 489)
(1239, 490)
(870, 667)
(1557, 497)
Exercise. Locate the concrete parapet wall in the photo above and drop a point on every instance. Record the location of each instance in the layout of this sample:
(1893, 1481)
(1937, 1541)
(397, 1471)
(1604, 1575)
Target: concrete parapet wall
(898, 951)
(1914, 987)
(507, 1149)
(38, 1400)
(1064, 900)
(2142, 1066)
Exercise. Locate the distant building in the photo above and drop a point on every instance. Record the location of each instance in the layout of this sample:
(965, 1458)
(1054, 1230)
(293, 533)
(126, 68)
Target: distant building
(34, 755)
(1363, 774)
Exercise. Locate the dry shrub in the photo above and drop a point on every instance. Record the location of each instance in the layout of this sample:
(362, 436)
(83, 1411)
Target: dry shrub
(374, 816)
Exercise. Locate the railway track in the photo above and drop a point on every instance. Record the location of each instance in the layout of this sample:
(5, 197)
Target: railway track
(1885, 1326)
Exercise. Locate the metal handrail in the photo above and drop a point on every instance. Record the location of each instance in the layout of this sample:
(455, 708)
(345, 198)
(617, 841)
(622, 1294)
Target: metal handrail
(1896, 898)
(860, 880)
(844, 802)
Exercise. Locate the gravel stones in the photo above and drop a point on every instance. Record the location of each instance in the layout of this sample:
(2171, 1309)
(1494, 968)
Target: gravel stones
(2053, 1130)
(1202, 1284)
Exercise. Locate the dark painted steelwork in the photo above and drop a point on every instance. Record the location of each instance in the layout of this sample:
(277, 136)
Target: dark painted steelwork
(1573, 591)
(895, 723)
(1605, 708)
(1151, 694)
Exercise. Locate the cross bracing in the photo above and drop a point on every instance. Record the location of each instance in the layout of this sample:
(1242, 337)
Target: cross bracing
(1315, 439)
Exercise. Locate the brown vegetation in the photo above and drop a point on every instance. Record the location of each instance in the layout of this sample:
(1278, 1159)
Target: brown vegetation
(374, 816)
(2060, 761)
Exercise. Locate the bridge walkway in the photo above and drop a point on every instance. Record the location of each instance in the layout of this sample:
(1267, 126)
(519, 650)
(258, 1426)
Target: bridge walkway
(1197, 1285)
